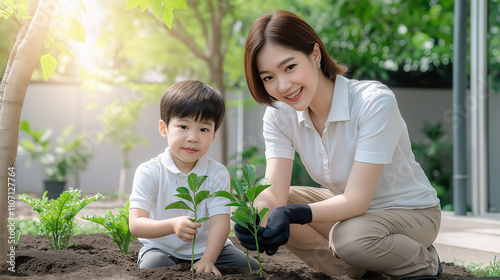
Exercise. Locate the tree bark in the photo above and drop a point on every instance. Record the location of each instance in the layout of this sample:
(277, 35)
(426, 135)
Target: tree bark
(22, 60)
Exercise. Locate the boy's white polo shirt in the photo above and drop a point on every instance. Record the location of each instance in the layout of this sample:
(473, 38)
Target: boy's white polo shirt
(364, 124)
(154, 187)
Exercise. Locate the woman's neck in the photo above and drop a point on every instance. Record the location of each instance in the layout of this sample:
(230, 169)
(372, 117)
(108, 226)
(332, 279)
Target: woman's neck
(322, 101)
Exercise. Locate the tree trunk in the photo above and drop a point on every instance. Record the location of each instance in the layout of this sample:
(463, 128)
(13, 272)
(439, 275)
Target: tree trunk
(22, 61)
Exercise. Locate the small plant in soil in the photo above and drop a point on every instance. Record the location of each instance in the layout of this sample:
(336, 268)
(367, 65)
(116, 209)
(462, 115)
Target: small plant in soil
(57, 216)
(194, 196)
(246, 214)
(116, 227)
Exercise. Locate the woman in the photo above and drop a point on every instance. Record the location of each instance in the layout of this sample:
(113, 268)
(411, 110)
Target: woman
(378, 212)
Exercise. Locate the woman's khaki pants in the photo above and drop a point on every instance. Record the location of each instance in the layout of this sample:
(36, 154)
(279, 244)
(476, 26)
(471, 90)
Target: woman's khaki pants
(396, 242)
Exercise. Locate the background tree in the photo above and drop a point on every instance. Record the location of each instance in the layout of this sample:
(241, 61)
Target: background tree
(33, 27)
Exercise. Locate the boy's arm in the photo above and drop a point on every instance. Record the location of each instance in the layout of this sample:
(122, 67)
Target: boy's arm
(219, 231)
(140, 225)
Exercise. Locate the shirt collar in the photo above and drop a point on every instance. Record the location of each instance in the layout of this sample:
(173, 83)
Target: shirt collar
(199, 169)
(339, 110)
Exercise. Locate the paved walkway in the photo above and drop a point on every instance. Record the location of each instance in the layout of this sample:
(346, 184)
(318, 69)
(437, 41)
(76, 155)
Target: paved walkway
(461, 238)
(469, 239)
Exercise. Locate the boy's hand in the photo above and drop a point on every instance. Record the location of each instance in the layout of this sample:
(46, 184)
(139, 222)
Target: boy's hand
(185, 229)
(204, 266)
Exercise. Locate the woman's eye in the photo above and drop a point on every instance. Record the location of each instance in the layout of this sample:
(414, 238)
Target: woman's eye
(267, 78)
(290, 67)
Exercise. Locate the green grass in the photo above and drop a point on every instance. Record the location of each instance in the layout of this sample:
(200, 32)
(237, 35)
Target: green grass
(491, 270)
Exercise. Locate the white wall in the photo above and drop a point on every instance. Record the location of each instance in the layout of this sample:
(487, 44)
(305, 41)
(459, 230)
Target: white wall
(57, 105)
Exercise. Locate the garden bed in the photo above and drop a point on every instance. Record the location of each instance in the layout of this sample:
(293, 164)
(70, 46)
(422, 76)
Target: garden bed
(94, 256)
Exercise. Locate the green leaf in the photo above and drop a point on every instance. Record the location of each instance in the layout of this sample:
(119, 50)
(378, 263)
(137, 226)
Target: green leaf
(184, 196)
(25, 126)
(62, 48)
(132, 4)
(193, 182)
(236, 184)
(255, 191)
(76, 30)
(225, 194)
(168, 8)
(201, 179)
(179, 205)
(240, 222)
(242, 215)
(263, 212)
(203, 219)
(82, 5)
(183, 190)
(201, 196)
(176, 4)
(49, 65)
(249, 174)
(156, 7)
(238, 203)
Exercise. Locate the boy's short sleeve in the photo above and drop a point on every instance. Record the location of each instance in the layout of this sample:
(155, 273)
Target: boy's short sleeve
(220, 182)
(144, 188)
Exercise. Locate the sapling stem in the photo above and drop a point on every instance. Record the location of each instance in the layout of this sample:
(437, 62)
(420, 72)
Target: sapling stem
(246, 214)
(195, 197)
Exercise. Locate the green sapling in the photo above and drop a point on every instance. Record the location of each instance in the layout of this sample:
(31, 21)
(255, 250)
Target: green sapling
(116, 226)
(194, 196)
(57, 216)
(246, 213)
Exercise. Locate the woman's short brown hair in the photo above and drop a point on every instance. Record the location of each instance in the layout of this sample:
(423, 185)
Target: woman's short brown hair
(193, 99)
(285, 29)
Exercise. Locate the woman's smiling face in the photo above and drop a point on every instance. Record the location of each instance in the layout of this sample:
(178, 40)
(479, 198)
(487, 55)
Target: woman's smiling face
(289, 76)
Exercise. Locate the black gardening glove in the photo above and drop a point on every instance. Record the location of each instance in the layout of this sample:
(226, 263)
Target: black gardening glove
(246, 237)
(277, 230)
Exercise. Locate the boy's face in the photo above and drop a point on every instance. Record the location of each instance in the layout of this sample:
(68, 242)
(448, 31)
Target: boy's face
(188, 140)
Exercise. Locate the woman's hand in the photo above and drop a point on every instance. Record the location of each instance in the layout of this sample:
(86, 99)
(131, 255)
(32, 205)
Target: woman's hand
(184, 228)
(246, 237)
(277, 230)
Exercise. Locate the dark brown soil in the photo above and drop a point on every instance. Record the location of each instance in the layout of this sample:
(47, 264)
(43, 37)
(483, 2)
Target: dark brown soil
(95, 256)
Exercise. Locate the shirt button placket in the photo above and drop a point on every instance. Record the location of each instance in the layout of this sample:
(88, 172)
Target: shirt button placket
(326, 165)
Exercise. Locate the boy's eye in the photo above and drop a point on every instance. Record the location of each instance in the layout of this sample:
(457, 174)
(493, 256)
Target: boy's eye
(183, 126)
(204, 129)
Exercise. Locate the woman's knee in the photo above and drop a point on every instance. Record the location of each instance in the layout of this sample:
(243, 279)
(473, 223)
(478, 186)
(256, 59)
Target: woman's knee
(350, 239)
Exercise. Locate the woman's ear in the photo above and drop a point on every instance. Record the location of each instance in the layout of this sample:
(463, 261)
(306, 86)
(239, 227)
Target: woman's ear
(316, 53)
(162, 127)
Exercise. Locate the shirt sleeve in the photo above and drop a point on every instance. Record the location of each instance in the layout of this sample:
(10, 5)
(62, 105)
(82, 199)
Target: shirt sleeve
(144, 188)
(380, 127)
(278, 144)
(220, 182)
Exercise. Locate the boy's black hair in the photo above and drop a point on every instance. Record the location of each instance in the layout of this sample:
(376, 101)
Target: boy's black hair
(194, 99)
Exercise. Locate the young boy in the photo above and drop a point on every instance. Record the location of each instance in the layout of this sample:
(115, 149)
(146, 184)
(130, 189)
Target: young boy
(191, 112)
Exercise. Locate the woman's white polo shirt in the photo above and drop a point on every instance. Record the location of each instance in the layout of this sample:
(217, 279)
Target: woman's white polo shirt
(364, 124)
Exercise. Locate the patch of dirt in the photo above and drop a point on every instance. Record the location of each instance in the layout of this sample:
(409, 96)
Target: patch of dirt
(95, 256)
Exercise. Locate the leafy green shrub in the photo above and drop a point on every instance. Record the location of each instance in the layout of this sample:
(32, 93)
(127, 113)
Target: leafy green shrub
(246, 213)
(435, 155)
(195, 197)
(57, 216)
(116, 227)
